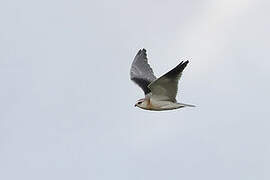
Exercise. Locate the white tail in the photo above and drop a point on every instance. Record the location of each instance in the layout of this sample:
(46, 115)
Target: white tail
(187, 105)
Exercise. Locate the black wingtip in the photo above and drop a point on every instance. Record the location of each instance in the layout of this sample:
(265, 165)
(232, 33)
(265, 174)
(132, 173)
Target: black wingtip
(141, 51)
(182, 65)
(178, 69)
(185, 63)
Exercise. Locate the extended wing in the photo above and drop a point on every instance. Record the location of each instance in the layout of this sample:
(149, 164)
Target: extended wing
(165, 87)
(141, 72)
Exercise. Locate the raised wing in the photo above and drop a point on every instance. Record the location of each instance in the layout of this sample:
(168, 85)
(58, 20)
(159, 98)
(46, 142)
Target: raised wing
(141, 72)
(165, 87)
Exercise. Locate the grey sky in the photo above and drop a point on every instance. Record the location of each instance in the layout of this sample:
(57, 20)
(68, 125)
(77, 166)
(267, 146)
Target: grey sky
(67, 104)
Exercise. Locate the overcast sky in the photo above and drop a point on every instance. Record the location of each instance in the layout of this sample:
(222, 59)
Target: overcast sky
(67, 104)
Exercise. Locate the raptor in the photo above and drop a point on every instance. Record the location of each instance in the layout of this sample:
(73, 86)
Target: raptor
(160, 92)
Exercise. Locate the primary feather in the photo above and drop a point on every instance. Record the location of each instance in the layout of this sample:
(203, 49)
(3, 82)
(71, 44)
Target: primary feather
(141, 72)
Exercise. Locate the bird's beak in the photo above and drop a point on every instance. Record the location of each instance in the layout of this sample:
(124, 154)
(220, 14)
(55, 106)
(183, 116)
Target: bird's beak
(135, 105)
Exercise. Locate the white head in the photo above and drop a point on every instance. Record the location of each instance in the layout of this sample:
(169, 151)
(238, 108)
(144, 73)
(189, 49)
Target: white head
(142, 103)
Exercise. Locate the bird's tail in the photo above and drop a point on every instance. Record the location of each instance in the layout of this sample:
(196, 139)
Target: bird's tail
(187, 105)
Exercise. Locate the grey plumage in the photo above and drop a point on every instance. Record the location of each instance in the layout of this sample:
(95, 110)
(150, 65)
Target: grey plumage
(165, 87)
(141, 72)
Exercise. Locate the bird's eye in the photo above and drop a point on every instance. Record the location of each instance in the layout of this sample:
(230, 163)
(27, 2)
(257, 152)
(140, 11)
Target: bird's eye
(139, 102)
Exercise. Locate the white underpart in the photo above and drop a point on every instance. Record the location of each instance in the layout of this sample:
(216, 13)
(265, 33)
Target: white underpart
(164, 105)
(156, 104)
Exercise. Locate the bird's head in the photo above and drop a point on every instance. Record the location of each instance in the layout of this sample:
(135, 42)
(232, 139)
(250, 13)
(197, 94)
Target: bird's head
(141, 103)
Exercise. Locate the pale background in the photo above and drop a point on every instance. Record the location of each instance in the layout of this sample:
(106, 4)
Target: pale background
(67, 104)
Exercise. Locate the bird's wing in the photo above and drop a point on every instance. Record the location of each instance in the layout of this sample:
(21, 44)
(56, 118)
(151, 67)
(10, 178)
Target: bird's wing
(165, 87)
(141, 72)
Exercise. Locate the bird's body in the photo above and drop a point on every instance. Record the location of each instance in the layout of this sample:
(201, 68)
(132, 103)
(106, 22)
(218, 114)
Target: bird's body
(159, 93)
(156, 105)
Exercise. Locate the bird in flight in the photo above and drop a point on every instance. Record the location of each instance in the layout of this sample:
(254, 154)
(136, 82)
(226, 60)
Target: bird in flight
(159, 93)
